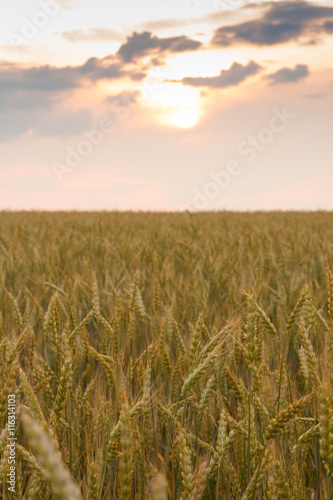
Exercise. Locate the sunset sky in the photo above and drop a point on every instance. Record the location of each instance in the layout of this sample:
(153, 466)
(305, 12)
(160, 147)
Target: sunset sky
(166, 105)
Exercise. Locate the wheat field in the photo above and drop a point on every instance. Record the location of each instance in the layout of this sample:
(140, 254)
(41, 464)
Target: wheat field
(167, 356)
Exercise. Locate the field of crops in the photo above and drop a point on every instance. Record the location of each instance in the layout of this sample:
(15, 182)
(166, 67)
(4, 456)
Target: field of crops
(167, 356)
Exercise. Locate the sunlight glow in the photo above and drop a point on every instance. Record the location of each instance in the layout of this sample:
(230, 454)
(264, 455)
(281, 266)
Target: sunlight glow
(175, 105)
(183, 118)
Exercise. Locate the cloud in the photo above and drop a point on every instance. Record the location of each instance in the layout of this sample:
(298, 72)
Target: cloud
(99, 69)
(28, 96)
(227, 78)
(160, 24)
(52, 79)
(257, 33)
(17, 79)
(287, 75)
(65, 124)
(281, 22)
(43, 78)
(296, 11)
(125, 98)
(328, 26)
(319, 95)
(169, 23)
(68, 123)
(139, 45)
(92, 35)
(26, 100)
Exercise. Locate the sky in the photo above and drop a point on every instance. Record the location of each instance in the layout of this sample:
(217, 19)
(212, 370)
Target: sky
(166, 105)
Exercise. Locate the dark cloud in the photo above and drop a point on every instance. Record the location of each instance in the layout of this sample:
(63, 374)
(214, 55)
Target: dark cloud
(287, 75)
(125, 98)
(92, 35)
(328, 27)
(139, 45)
(257, 33)
(297, 11)
(52, 79)
(227, 78)
(44, 78)
(280, 23)
(137, 76)
(99, 69)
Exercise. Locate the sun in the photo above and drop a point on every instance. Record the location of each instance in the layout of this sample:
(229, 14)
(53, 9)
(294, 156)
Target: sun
(184, 118)
(175, 105)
